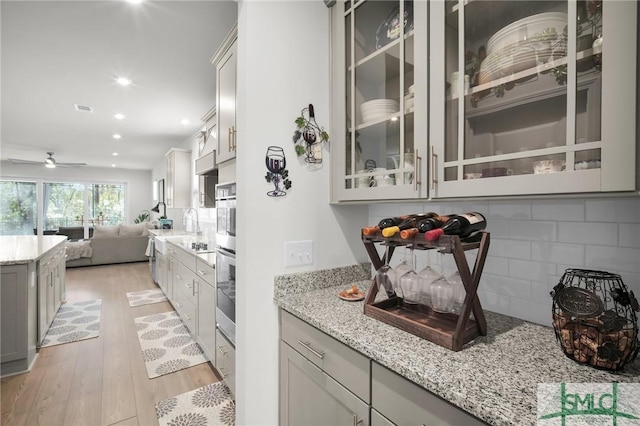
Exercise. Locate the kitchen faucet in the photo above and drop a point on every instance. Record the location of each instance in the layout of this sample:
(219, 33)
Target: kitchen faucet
(184, 219)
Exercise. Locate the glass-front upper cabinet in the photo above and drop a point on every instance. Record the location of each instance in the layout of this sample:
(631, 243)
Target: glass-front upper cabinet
(532, 97)
(379, 99)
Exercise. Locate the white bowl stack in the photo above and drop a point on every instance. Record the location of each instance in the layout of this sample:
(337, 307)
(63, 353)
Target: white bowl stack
(378, 108)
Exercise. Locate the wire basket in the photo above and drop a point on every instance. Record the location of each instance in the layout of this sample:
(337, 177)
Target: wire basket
(594, 318)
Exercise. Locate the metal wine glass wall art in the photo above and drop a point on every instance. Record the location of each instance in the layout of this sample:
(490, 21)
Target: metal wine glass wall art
(277, 173)
(308, 136)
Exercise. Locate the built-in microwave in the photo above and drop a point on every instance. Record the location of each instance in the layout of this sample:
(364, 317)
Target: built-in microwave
(226, 215)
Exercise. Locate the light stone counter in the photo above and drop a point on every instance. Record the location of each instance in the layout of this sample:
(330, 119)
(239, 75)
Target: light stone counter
(494, 377)
(21, 249)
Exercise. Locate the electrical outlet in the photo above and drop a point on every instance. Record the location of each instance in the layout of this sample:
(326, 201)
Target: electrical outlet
(298, 253)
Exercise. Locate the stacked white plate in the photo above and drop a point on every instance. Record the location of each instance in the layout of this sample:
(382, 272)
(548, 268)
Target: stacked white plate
(520, 45)
(378, 108)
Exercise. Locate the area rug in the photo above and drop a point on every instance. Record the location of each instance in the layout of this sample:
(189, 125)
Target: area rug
(209, 405)
(146, 297)
(73, 322)
(166, 344)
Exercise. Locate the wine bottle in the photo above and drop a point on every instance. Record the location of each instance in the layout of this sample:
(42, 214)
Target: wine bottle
(424, 225)
(394, 221)
(464, 225)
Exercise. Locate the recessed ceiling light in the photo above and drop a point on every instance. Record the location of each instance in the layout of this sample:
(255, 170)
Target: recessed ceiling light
(117, 136)
(134, 1)
(118, 116)
(123, 81)
(184, 121)
(113, 165)
(115, 154)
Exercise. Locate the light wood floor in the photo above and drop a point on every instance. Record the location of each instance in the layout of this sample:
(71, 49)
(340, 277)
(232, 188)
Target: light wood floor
(101, 381)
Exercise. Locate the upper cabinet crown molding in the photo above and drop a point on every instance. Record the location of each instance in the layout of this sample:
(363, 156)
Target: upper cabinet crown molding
(226, 44)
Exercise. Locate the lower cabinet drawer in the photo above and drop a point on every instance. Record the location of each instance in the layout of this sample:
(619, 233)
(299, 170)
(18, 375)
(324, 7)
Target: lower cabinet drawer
(187, 312)
(405, 403)
(226, 361)
(339, 361)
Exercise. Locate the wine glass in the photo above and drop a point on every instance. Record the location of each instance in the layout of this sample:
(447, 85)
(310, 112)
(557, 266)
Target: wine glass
(385, 276)
(276, 163)
(400, 270)
(441, 292)
(459, 293)
(426, 276)
(409, 284)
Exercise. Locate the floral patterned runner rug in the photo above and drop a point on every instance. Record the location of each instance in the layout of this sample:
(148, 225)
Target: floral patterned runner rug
(166, 344)
(209, 405)
(146, 297)
(73, 322)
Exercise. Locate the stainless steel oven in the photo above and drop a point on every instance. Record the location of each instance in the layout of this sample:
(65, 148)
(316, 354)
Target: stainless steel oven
(226, 215)
(226, 293)
(226, 259)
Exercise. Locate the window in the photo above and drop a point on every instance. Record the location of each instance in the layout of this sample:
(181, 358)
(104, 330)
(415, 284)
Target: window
(18, 208)
(64, 204)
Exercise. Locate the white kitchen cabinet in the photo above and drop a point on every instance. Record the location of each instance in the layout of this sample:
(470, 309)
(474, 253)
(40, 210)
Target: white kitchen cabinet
(161, 272)
(322, 381)
(14, 318)
(225, 61)
(379, 107)
(225, 361)
(206, 309)
(548, 108)
(178, 183)
(309, 396)
(405, 403)
(51, 274)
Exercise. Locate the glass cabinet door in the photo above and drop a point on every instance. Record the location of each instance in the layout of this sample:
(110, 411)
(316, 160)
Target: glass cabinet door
(523, 95)
(379, 154)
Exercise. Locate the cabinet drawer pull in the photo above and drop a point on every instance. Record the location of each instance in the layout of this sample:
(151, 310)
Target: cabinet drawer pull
(178, 277)
(187, 317)
(223, 353)
(201, 272)
(178, 305)
(434, 174)
(416, 171)
(313, 351)
(221, 371)
(356, 422)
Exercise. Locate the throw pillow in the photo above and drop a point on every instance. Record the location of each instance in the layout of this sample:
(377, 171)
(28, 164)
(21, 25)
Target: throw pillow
(105, 231)
(132, 230)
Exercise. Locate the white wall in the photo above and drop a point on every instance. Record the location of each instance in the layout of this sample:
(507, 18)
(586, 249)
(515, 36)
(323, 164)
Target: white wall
(139, 186)
(534, 241)
(282, 67)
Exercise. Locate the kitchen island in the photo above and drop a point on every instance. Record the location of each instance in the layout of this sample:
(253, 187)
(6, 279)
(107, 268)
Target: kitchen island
(32, 289)
(494, 378)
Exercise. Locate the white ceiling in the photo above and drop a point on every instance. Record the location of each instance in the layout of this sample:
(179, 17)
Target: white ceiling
(57, 53)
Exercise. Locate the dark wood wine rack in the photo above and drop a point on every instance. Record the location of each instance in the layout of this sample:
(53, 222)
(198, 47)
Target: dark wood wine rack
(449, 330)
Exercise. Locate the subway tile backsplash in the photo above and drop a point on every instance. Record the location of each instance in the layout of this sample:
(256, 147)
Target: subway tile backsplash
(533, 242)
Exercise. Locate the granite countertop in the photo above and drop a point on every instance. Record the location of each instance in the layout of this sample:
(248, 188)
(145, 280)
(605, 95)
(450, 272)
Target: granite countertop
(20, 249)
(494, 377)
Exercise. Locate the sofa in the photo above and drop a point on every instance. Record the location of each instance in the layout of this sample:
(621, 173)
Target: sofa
(111, 244)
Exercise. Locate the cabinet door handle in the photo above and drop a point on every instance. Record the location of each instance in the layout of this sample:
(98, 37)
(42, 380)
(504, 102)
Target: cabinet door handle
(356, 422)
(230, 143)
(221, 370)
(223, 353)
(193, 288)
(313, 351)
(416, 171)
(234, 137)
(434, 174)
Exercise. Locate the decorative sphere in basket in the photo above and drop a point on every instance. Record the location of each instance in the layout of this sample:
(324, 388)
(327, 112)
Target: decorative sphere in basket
(594, 318)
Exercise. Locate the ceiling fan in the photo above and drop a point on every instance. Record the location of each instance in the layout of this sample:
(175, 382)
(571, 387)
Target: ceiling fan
(49, 162)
